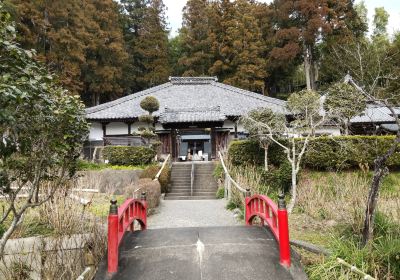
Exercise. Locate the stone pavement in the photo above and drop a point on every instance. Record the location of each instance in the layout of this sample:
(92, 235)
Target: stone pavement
(191, 213)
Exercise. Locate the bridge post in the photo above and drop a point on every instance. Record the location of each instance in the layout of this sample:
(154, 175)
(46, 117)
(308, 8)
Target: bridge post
(283, 226)
(143, 198)
(112, 248)
(247, 209)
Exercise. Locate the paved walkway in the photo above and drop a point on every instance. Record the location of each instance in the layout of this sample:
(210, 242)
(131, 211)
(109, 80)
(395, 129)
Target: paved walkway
(206, 253)
(192, 213)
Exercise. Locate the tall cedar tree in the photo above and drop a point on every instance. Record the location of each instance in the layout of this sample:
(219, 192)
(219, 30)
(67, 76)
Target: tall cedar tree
(301, 24)
(239, 46)
(196, 45)
(146, 36)
(152, 46)
(80, 40)
(132, 18)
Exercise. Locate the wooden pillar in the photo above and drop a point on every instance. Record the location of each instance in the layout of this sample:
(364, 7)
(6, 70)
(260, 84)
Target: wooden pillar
(236, 130)
(104, 127)
(213, 143)
(129, 127)
(173, 143)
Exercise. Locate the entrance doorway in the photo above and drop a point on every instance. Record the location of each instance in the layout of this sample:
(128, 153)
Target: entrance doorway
(194, 145)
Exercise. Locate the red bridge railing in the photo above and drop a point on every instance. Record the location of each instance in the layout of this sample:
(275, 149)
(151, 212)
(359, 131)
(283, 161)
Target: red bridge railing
(120, 220)
(275, 216)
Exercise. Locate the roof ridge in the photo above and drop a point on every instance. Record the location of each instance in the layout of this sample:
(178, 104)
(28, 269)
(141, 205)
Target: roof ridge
(120, 100)
(252, 94)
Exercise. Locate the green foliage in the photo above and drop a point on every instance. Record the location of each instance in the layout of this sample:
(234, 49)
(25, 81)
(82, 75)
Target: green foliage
(331, 153)
(220, 193)
(323, 153)
(278, 178)
(150, 104)
(146, 119)
(218, 172)
(82, 43)
(245, 152)
(86, 165)
(379, 259)
(305, 105)
(164, 178)
(128, 155)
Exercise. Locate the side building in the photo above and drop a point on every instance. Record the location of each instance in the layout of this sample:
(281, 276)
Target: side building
(198, 116)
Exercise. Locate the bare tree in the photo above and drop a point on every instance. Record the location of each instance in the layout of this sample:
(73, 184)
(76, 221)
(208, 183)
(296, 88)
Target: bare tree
(372, 65)
(297, 133)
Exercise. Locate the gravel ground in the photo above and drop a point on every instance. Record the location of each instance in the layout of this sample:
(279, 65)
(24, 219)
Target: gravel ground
(192, 213)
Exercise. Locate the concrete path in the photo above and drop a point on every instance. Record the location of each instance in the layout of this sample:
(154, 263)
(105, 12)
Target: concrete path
(191, 213)
(208, 253)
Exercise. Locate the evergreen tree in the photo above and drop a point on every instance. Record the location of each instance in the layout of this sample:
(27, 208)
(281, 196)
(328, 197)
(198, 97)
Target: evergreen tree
(302, 24)
(105, 52)
(152, 46)
(146, 36)
(196, 52)
(80, 40)
(240, 47)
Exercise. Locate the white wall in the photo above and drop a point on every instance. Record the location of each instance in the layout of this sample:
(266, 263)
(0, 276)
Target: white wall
(96, 131)
(117, 128)
(135, 126)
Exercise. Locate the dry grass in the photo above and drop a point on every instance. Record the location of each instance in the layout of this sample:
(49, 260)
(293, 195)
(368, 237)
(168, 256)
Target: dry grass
(76, 239)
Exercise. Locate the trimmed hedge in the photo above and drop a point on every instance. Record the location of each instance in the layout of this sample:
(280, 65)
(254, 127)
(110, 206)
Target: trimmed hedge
(242, 152)
(323, 153)
(128, 155)
(343, 152)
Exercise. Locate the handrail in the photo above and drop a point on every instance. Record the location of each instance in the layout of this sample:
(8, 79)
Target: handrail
(276, 218)
(354, 269)
(228, 179)
(162, 167)
(120, 220)
(191, 179)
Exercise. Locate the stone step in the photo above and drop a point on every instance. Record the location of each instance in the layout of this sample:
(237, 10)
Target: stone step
(187, 193)
(189, 197)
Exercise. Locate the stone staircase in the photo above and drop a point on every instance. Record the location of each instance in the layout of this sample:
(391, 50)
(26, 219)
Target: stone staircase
(204, 184)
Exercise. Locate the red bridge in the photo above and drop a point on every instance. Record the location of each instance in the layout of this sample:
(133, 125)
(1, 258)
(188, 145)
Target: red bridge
(238, 252)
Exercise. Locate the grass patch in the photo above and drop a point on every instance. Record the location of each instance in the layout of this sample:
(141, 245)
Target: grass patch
(220, 193)
(100, 206)
(84, 165)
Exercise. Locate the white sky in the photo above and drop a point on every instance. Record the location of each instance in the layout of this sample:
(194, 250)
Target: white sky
(174, 12)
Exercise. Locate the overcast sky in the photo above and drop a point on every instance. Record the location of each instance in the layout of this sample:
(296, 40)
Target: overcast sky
(174, 12)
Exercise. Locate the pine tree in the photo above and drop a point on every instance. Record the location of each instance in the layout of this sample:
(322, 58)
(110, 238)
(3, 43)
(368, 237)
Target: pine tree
(195, 40)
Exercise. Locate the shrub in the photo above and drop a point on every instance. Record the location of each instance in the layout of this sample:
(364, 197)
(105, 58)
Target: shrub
(323, 153)
(164, 179)
(326, 153)
(150, 104)
(127, 155)
(245, 152)
(151, 187)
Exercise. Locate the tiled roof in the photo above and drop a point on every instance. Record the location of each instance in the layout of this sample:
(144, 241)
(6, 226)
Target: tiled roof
(375, 114)
(197, 114)
(190, 92)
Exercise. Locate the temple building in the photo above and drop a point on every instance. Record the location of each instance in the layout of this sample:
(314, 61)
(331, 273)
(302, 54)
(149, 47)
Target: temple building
(198, 116)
